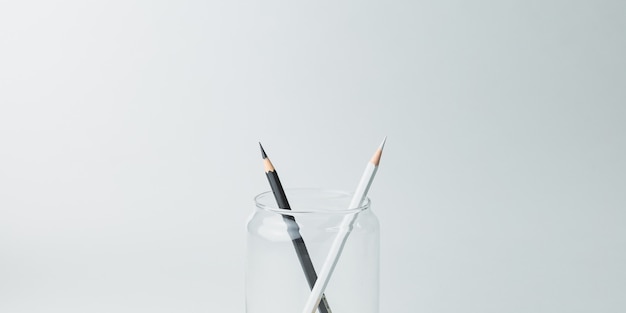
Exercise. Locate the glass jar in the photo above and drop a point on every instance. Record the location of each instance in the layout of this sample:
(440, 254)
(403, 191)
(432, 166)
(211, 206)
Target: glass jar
(275, 278)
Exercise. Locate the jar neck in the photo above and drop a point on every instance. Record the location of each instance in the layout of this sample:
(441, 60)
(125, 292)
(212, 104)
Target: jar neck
(311, 201)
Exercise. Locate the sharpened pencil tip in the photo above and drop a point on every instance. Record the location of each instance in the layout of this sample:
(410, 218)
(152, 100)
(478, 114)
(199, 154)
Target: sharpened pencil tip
(382, 145)
(266, 161)
(376, 158)
(262, 151)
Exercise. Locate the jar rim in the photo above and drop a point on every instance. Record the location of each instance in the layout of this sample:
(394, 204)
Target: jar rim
(274, 208)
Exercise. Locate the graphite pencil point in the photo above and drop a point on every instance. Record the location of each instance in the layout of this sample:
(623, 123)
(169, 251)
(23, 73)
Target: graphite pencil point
(262, 151)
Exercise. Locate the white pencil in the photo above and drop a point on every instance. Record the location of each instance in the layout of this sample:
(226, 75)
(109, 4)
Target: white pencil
(359, 196)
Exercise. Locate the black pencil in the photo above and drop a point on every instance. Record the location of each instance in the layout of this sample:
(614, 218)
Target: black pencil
(293, 229)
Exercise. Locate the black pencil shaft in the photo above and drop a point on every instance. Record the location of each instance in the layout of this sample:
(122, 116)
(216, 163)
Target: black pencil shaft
(279, 192)
(303, 253)
(296, 238)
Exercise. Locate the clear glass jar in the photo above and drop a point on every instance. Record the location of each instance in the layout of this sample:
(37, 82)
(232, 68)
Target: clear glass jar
(275, 279)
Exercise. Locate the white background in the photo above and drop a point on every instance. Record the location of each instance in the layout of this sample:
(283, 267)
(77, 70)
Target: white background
(129, 155)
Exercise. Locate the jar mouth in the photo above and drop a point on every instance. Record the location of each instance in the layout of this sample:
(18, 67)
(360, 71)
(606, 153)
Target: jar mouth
(311, 200)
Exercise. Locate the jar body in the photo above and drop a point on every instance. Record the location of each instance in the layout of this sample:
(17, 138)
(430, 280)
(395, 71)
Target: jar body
(275, 279)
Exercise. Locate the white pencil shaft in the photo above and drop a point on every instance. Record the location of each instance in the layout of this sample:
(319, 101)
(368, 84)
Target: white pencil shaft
(364, 186)
(323, 276)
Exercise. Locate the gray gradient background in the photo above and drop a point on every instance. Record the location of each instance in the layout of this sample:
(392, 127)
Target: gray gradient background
(129, 157)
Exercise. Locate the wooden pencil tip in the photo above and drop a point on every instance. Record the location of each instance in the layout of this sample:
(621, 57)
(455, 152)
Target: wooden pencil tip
(262, 151)
(266, 161)
(376, 158)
